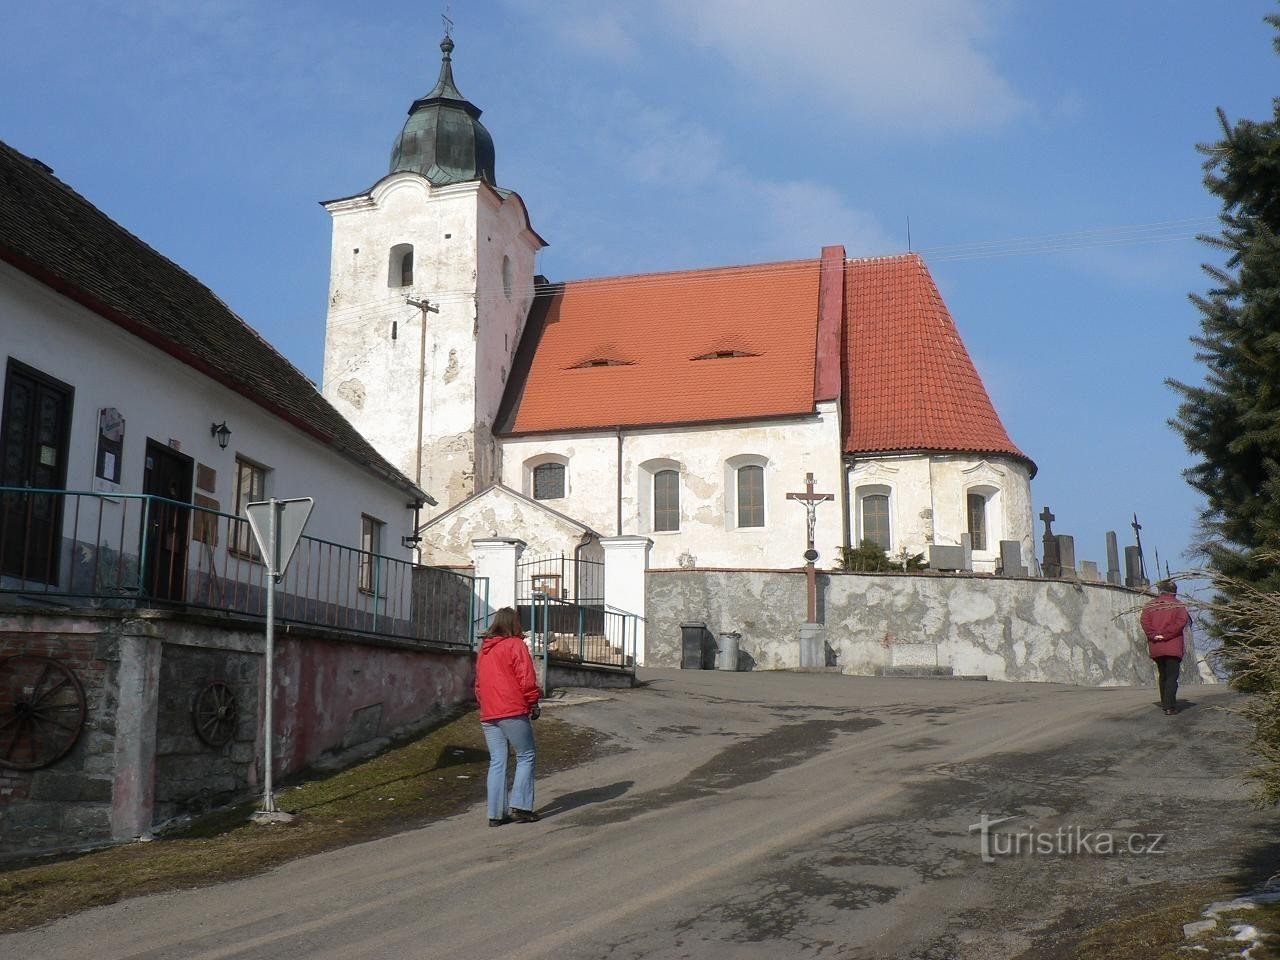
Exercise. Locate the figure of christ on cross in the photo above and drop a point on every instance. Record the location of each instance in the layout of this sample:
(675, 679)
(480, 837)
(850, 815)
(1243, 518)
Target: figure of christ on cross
(811, 501)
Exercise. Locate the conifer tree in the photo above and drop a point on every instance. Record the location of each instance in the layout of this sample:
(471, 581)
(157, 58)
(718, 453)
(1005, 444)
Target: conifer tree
(1232, 420)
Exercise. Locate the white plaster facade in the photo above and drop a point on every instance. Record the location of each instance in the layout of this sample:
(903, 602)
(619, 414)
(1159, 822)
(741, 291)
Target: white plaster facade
(496, 513)
(165, 400)
(706, 457)
(928, 501)
(473, 260)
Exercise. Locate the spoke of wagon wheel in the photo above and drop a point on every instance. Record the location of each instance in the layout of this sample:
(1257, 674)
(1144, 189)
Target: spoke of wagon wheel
(40, 715)
(54, 689)
(38, 734)
(13, 742)
(10, 722)
(208, 723)
(43, 673)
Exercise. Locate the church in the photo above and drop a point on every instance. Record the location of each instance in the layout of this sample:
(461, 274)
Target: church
(682, 407)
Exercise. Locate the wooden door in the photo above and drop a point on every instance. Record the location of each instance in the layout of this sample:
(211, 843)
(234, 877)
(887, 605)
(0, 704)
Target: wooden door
(34, 433)
(167, 477)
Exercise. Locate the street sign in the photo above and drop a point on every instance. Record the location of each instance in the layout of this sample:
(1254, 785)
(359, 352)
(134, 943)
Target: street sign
(277, 526)
(291, 517)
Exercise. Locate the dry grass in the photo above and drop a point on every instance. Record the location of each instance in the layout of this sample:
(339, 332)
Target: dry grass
(437, 775)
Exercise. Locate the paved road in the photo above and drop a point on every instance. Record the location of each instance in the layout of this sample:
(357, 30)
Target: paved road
(762, 815)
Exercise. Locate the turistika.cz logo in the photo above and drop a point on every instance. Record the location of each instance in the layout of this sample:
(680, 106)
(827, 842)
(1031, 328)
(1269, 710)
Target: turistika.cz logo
(1067, 841)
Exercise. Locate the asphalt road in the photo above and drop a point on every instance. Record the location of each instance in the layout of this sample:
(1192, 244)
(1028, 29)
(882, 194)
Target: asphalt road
(767, 815)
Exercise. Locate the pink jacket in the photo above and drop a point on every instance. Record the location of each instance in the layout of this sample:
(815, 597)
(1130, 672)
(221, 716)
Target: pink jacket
(1164, 621)
(506, 684)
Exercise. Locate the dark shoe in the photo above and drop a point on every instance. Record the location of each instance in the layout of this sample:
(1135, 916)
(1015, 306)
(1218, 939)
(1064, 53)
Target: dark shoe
(524, 816)
(499, 822)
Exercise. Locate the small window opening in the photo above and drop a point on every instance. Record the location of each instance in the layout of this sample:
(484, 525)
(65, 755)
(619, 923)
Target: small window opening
(400, 268)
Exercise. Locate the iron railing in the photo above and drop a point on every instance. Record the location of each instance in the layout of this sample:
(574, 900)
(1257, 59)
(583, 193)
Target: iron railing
(137, 550)
(597, 635)
(561, 577)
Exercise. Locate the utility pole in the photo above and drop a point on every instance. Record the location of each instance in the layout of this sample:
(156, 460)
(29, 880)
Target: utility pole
(424, 306)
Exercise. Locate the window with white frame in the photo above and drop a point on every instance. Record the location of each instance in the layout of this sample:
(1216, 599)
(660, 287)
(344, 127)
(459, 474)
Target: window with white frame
(370, 554)
(400, 266)
(982, 516)
(251, 487)
(750, 491)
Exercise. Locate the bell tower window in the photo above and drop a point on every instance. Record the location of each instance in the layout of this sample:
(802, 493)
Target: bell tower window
(400, 268)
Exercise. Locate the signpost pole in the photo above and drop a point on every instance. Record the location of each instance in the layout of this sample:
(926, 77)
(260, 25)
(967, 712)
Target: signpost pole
(268, 793)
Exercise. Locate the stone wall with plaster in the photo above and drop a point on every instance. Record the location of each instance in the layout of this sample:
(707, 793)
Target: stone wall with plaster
(446, 540)
(1004, 629)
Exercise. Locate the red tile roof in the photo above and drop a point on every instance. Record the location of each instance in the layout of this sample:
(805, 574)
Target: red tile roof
(909, 382)
(903, 375)
(653, 326)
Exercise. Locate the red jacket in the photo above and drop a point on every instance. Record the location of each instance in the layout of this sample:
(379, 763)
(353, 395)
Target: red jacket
(506, 685)
(1164, 620)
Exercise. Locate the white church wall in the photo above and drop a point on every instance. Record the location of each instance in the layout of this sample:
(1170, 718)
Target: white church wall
(788, 449)
(163, 399)
(928, 500)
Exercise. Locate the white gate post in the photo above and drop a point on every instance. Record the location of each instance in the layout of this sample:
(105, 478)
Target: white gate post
(625, 561)
(496, 558)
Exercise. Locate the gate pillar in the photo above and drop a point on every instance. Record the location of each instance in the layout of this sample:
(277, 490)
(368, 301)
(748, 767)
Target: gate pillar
(625, 561)
(496, 558)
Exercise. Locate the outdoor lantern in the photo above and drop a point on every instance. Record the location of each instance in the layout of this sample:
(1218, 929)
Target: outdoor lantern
(222, 432)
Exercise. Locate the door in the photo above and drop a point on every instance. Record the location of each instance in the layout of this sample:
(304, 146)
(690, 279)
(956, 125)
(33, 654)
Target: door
(167, 475)
(34, 432)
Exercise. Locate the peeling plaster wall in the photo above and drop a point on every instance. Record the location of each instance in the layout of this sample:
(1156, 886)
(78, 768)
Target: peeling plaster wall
(928, 501)
(165, 400)
(788, 449)
(447, 540)
(1006, 629)
(460, 236)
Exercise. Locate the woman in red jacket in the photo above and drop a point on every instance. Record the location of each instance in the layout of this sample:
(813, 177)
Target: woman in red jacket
(507, 690)
(1163, 621)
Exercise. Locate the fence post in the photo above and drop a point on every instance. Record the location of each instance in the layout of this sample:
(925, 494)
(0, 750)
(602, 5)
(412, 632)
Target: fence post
(625, 561)
(495, 558)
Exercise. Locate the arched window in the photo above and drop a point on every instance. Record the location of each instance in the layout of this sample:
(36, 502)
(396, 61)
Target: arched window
(507, 277)
(874, 521)
(666, 500)
(751, 495)
(400, 266)
(548, 481)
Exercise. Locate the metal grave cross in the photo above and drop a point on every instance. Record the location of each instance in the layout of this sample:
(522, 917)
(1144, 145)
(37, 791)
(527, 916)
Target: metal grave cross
(811, 501)
(277, 526)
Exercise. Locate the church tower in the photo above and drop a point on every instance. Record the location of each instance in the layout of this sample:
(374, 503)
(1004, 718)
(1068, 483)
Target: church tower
(430, 282)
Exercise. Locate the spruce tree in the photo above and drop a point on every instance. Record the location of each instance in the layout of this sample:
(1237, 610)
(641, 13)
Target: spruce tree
(1232, 420)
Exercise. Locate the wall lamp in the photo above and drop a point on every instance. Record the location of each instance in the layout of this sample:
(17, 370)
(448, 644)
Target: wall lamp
(222, 432)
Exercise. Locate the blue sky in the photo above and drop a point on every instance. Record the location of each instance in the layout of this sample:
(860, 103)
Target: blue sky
(671, 134)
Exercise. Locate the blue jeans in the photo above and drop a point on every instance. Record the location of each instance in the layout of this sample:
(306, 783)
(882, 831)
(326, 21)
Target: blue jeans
(518, 732)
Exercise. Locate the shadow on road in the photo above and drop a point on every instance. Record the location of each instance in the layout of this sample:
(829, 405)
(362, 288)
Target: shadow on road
(581, 798)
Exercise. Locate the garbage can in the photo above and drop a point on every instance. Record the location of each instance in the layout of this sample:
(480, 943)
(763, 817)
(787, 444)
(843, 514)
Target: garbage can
(691, 644)
(727, 658)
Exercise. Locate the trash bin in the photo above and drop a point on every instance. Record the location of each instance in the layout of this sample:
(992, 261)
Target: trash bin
(727, 658)
(691, 644)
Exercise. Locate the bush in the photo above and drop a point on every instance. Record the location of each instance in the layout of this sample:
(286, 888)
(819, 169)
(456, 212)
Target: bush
(870, 557)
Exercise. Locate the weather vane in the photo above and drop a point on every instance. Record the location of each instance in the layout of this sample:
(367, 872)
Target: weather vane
(448, 23)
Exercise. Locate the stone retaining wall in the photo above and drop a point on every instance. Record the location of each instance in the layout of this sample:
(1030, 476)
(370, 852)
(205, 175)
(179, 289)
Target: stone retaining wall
(1001, 628)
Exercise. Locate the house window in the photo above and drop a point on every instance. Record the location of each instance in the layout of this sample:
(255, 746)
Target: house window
(370, 554)
(666, 500)
(251, 487)
(548, 481)
(875, 519)
(751, 496)
(400, 267)
(977, 521)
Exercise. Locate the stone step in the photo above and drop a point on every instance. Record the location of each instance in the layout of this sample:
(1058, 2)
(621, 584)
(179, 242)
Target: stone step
(914, 670)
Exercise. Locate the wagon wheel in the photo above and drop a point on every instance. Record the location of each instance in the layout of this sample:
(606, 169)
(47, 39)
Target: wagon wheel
(42, 710)
(214, 713)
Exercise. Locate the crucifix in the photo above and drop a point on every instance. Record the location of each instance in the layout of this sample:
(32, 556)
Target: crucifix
(1137, 535)
(811, 501)
(448, 23)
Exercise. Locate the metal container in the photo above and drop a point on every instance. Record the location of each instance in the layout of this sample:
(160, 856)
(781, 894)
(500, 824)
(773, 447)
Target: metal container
(727, 657)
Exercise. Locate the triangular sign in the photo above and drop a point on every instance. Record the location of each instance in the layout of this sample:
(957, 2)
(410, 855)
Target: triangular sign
(291, 518)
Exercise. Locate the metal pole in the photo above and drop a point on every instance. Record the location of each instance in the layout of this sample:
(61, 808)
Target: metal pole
(268, 793)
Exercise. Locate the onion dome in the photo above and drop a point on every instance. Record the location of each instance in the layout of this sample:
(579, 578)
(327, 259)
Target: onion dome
(443, 139)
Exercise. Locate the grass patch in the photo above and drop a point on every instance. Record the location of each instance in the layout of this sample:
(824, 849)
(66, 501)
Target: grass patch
(436, 775)
(1157, 934)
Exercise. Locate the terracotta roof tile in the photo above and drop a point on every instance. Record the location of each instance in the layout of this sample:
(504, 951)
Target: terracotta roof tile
(658, 323)
(57, 236)
(909, 382)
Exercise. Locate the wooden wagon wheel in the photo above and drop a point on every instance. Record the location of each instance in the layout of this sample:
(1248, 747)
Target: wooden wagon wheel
(213, 711)
(42, 711)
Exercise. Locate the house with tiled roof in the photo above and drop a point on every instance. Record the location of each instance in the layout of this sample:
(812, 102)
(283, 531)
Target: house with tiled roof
(679, 407)
(141, 415)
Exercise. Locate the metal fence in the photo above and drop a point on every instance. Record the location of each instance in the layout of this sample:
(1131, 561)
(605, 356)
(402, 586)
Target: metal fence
(566, 631)
(561, 577)
(136, 550)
